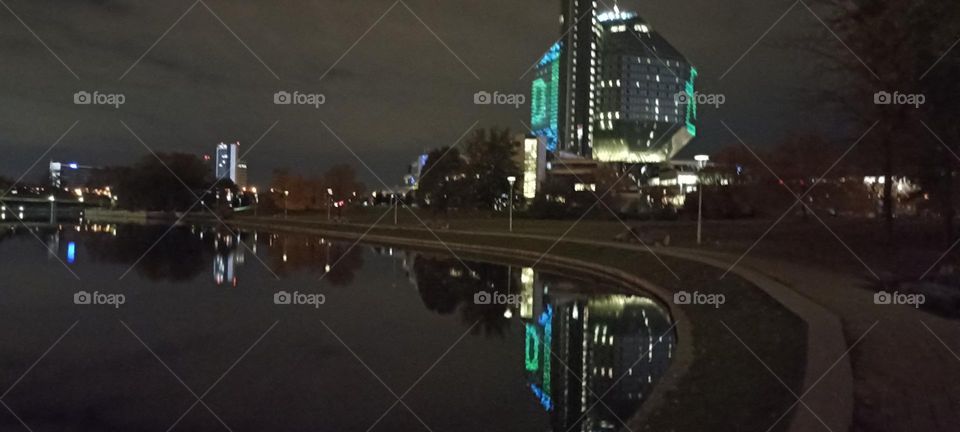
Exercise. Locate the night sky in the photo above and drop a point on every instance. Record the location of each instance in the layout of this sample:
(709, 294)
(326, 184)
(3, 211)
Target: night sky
(397, 91)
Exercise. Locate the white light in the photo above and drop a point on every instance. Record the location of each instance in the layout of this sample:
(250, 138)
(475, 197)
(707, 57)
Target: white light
(511, 179)
(507, 314)
(701, 158)
(51, 198)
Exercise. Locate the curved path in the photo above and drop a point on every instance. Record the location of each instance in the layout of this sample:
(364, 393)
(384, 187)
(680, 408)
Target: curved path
(869, 367)
(827, 399)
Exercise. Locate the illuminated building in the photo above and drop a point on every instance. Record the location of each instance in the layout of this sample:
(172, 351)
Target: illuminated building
(227, 161)
(646, 110)
(545, 98)
(578, 347)
(534, 164)
(412, 178)
(579, 63)
(241, 180)
(69, 174)
(617, 83)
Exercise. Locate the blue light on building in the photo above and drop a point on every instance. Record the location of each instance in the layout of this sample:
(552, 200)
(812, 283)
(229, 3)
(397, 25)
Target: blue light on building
(545, 97)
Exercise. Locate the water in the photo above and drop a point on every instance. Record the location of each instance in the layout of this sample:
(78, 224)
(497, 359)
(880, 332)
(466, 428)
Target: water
(198, 318)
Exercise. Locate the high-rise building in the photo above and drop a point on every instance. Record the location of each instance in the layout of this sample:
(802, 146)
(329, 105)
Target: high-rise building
(241, 180)
(646, 109)
(227, 161)
(579, 64)
(623, 93)
(545, 98)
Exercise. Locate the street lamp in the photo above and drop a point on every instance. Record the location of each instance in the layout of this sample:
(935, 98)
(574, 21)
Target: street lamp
(286, 194)
(701, 164)
(53, 209)
(256, 200)
(329, 202)
(512, 180)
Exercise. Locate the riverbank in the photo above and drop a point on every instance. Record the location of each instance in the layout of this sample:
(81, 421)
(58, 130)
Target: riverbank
(716, 381)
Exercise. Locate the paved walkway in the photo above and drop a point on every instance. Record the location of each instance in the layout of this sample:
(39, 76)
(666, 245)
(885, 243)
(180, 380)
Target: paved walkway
(901, 361)
(905, 376)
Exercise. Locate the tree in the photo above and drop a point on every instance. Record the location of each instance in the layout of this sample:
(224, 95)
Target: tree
(900, 48)
(342, 180)
(163, 182)
(491, 159)
(875, 56)
(939, 167)
(444, 181)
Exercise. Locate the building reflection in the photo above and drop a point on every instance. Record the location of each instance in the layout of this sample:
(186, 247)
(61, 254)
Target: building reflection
(581, 349)
(229, 256)
(580, 345)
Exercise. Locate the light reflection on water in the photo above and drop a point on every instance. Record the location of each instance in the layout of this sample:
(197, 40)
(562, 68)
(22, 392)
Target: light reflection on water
(568, 355)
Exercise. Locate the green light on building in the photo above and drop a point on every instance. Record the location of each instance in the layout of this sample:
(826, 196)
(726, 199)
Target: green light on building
(692, 102)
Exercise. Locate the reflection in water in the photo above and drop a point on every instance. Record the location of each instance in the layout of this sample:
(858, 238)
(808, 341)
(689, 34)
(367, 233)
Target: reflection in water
(590, 355)
(183, 253)
(579, 347)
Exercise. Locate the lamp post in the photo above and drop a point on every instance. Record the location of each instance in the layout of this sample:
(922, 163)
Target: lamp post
(256, 201)
(286, 194)
(53, 209)
(701, 164)
(511, 180)
(329, 202)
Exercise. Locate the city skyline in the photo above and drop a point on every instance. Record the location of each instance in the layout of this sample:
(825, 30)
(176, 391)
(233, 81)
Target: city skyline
(198, 66)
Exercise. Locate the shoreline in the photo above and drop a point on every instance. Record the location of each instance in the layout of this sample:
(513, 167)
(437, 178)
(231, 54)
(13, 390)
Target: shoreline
(667, 394)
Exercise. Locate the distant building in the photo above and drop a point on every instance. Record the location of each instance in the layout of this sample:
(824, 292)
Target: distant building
(241, 180)
(227, 161)
(412, 178)
(69, 174)
(534, 165)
